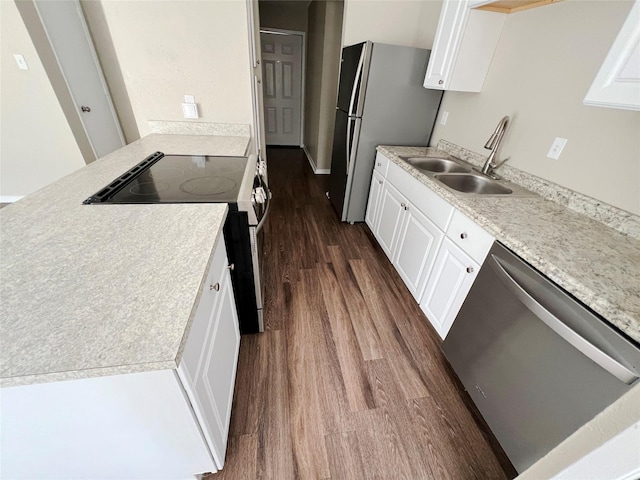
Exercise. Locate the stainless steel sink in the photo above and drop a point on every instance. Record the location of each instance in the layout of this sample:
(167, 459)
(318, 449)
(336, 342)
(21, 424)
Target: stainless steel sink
(459, 177)
(471, 183)
(434, 164)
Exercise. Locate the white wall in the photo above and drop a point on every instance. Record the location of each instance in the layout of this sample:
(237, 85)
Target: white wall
(398, 22)
(36, 143)
(166, 49)
(544, 64)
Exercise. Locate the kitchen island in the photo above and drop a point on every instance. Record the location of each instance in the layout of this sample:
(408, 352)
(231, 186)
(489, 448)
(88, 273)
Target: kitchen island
(91, 290)
(120, 338)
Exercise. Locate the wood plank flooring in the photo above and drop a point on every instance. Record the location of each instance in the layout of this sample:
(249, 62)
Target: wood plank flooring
(348, 381)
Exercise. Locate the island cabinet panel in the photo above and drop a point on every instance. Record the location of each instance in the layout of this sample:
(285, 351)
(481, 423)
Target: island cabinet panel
(209, 383)
(162, 424)
(131, 426)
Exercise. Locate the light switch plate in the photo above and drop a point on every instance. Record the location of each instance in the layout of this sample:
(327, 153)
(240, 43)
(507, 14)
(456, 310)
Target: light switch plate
(556, 148)
(22, 63)
(190, 110)
(443, 118)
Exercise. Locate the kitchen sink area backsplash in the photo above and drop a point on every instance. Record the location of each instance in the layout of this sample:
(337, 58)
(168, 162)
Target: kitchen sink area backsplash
(613, 217)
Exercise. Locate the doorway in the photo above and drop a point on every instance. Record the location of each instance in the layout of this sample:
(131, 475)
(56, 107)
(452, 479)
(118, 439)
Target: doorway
(282, 79)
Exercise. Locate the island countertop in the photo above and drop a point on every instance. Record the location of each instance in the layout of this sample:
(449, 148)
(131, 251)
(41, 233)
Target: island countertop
(595, 263)
(91, 290)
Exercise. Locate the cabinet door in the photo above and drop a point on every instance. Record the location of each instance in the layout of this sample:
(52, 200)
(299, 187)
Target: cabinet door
(448, 285)
(207, 369)
(216, 378)
(448, 34)
(377, 181)
(391, 207)
(418, 243)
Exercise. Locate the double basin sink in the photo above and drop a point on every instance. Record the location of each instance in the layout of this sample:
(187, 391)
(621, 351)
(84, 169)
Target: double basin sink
(456, 176)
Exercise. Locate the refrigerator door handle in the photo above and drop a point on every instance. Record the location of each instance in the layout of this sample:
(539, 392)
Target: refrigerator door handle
(358, 79)
(592, 352)
(349, 120)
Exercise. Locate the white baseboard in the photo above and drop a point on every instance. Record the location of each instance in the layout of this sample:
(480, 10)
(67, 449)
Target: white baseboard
(312, 162)
(10, 198)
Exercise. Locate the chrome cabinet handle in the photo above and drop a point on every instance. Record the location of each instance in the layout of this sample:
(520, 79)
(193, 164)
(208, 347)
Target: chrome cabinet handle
(380, 182)
(464, 235)
(440, 82)
(85, 109)
(215, 287)
(469, 269)
(379, 164)
(231, 267)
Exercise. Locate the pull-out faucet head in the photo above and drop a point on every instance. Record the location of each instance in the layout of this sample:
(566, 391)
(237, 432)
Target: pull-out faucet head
(493, 144)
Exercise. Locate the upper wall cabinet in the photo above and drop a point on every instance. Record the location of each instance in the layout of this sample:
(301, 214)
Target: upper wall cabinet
(463, 47)
(617, 84)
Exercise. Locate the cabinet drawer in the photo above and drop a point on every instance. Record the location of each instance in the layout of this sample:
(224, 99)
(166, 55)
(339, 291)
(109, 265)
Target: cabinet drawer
(211, 286)
(432, 205)
(381, 164)
(469, 236)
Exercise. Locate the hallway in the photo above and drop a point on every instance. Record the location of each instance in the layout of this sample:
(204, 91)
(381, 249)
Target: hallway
(348, 381)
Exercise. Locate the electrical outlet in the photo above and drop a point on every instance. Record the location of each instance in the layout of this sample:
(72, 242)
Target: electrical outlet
(443, 118)
(556, 148)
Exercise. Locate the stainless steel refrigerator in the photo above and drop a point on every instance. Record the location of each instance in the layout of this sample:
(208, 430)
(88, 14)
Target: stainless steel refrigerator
(381, 101)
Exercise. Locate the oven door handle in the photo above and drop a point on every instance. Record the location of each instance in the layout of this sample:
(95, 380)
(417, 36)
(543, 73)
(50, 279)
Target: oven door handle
(266, 211)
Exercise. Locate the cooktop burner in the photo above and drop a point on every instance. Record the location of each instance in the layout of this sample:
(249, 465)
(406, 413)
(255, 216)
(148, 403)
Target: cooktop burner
(163, 178)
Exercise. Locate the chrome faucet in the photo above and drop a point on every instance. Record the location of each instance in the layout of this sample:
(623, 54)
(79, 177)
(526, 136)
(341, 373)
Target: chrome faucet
(493, 144)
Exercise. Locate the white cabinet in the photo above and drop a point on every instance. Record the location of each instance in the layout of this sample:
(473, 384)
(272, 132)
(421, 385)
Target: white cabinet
(617, 84)
(462, 253)
(463, 46)
(208, 368)
(407, 225)
(435, 248)
(375, 191)
(416, 248)
(387, 227)
(450, 281)
(169, 424)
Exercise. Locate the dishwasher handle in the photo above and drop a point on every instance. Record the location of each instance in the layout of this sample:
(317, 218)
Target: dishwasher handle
(592, 352)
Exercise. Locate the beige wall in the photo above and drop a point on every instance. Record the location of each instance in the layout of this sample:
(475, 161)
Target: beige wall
(284, 15)
(323, 64)
(165, 50)
(411, 23)
(545, 62)
(36, 143)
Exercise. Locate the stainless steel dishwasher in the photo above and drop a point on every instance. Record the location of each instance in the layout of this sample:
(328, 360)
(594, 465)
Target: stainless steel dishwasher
(536, 362)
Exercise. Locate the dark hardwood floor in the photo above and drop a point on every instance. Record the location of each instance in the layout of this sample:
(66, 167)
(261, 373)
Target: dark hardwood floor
(348, 381)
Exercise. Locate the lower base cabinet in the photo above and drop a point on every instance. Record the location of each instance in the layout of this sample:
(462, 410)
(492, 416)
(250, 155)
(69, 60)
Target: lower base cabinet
(163, 424)
(451, 278)
(435, 248)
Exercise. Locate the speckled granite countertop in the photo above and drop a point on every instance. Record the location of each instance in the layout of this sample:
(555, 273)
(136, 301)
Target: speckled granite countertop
(597, 264)
(90, 290)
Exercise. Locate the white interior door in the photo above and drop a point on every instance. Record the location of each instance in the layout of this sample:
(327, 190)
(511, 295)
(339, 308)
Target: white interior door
(69, 37)
(282, 87)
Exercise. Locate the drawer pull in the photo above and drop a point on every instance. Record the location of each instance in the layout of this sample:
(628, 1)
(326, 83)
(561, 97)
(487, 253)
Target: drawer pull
(379, 164)
(215, 287)
(464, 235)
(232, 267)
(403, 205)
(380, 182)
(469, 269)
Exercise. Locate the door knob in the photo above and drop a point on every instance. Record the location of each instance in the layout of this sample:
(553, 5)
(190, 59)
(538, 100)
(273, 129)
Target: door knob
(85, 109)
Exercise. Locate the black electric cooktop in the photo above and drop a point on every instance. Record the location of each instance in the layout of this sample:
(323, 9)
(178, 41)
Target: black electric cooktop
(162, 178)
